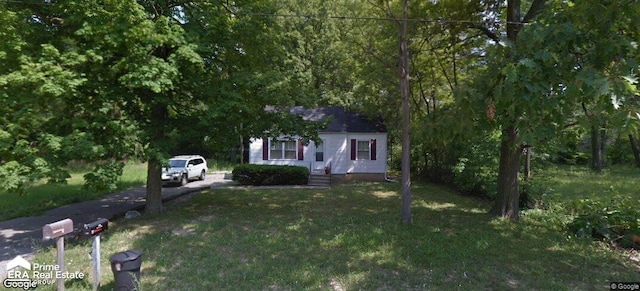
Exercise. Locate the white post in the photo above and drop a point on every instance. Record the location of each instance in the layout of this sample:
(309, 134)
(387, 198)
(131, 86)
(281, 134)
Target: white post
(95, 257)
(60, 250)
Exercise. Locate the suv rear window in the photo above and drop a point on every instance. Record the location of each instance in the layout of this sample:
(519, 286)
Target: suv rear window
(177, 163)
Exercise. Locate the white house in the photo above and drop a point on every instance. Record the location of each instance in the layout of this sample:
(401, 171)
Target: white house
(353, 147)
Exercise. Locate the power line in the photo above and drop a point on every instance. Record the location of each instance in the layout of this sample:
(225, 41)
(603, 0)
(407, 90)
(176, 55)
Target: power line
(335, 17)
(41, 2)
(422, 20)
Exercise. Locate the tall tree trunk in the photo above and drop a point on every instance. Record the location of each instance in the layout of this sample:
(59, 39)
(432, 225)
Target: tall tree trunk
(508, 195)
(425, 156)
(603, 146)
(634, 148)
(154, 166)
(596, 149)
(154, 187)
(241, 145)
(527, 163)
(406, 117)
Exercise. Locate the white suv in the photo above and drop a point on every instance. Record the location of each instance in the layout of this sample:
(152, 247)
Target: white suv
(184, 168)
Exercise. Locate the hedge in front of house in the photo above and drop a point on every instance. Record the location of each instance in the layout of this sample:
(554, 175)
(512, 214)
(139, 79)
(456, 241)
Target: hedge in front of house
(264, 175)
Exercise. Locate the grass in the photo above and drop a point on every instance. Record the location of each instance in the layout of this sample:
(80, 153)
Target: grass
(349, 238)
(570, 183)
(43, 196)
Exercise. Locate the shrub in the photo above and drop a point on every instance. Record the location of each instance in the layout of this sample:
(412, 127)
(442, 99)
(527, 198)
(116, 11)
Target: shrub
(258, 175)
(616, 220)
(475, 178)
(104, 176)
(476, 170)
(533, 192)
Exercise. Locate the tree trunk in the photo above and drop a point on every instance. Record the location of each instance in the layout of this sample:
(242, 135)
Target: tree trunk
(508, 195)
(425, 156)
(406, 118)
(596, 149)
(154, 187)
(159, 113)
(634, 148)
(508, 192)
(527, 163)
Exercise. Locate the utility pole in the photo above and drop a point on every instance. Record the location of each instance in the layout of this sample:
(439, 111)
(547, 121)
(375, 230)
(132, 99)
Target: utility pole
(403, 73)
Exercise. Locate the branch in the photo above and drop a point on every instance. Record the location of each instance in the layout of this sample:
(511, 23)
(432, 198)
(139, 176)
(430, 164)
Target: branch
(586, 112)
(536, 8)
(569, 125)
(391, 15)
(486, 32)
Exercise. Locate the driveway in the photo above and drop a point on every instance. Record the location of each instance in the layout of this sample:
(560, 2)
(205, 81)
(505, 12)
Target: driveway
(21, 236)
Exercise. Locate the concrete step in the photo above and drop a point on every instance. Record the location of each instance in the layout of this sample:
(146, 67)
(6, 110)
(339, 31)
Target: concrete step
(320, 180)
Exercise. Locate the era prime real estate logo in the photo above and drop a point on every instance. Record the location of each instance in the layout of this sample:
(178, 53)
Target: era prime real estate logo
(23, 275)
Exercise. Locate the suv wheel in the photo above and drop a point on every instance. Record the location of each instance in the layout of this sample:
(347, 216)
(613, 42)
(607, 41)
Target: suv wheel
(184, 180)
(202, 175)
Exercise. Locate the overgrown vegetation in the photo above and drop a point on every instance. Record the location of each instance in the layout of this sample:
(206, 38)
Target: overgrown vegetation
(265, 175)
(602, 206)
(615, 219)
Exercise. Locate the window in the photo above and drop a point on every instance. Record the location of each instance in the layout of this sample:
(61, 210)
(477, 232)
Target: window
(283, 150)
(319, 152)
(176, 163)
(290, 150)
(363, 150)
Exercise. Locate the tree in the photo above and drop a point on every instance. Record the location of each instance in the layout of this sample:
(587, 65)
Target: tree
(573, 53)
(198, 61)
(120, 79)
(636, 150)
(37, 88)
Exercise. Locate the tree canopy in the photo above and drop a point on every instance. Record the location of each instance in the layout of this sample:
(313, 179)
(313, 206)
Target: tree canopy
(105, 81)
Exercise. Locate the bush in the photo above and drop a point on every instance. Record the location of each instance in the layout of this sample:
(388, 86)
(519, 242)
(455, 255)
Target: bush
(104, 176)
(620, 153)
(616, 220)
(258, 175)
(533, 192)
(476, 171)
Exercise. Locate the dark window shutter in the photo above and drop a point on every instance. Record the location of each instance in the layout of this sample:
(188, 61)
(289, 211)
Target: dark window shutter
(300, 150)
(265, 149)
(373, 149)
(353, 150)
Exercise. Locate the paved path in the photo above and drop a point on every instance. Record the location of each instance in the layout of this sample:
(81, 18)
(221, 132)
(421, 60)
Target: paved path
(21, 236)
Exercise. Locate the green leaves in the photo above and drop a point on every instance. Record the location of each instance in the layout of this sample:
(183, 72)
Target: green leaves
(155, 75)
(570, 57)
(614, 220)
(104, 176)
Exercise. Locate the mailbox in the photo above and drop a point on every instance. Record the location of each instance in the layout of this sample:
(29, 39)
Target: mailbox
(96, 227)
(57, 229)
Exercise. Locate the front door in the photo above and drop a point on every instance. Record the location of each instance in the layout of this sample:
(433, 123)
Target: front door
(318, 164)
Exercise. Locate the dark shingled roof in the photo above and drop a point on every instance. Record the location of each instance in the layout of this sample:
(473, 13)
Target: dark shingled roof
(341, 120)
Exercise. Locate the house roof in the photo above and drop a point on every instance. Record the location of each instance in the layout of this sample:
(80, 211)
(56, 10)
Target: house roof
(342, 120)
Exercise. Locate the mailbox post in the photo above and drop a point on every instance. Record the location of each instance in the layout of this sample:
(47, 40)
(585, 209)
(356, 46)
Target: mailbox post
(58, 230)
(94, 229)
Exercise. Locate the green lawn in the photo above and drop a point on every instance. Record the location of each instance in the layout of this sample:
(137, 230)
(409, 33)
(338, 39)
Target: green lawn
(350, 238)
(43, 196)
(569, 183)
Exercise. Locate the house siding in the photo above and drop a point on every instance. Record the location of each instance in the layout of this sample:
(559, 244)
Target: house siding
(337, 154)
(257, 154)
(379, 165)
